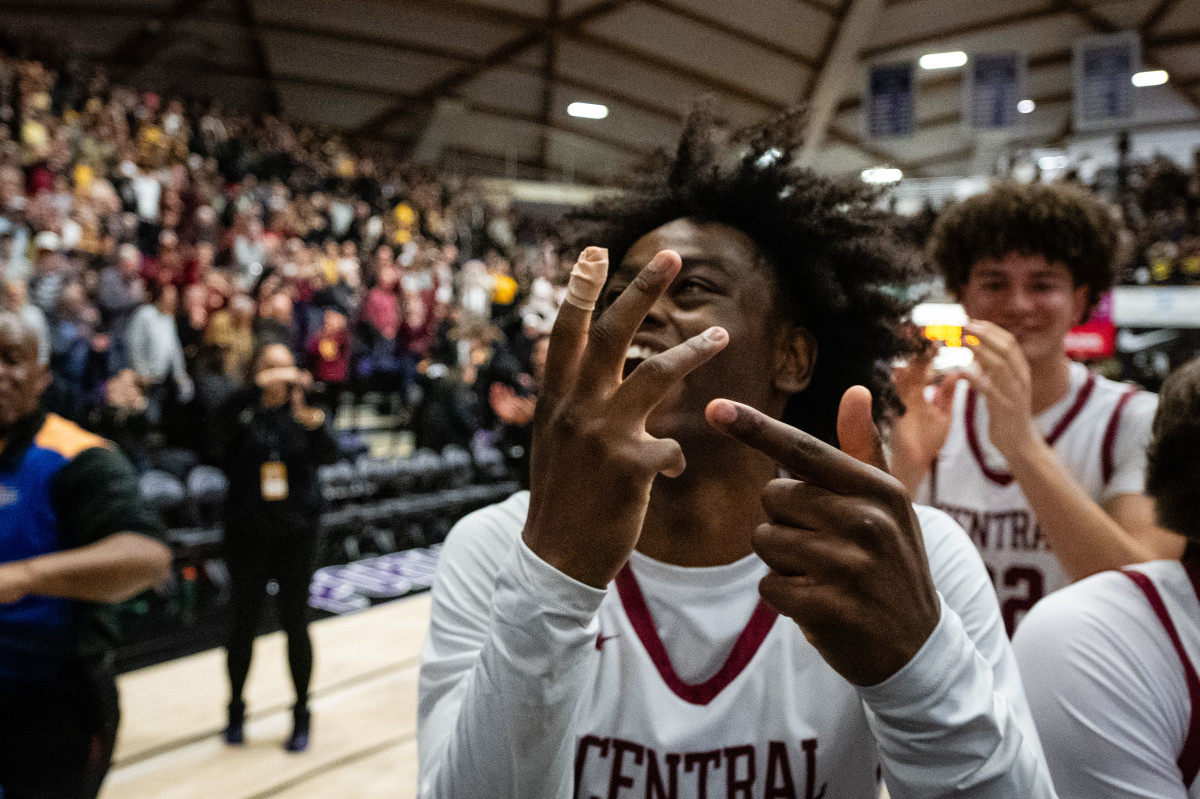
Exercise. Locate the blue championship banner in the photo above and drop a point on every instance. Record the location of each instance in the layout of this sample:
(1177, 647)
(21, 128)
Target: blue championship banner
(890, 100)
(994, 86)
(1103, 67)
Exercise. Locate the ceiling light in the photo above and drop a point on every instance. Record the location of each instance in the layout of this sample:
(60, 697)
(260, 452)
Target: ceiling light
(943, 60)
(1052, 162)
(588, 110)
(882, 174)
(1156, 77)
(1026, 106)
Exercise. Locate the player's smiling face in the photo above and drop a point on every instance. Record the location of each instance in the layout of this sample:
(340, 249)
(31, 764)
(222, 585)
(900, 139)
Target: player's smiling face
(1038, 302)
(723, 282)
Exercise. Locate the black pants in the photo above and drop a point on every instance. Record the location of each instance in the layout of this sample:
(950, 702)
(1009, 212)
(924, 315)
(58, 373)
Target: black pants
(253, 559)
(56, 740)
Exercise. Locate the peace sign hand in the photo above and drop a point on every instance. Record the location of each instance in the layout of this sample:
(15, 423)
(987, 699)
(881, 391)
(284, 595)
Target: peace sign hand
(592, 461)
(845, 549)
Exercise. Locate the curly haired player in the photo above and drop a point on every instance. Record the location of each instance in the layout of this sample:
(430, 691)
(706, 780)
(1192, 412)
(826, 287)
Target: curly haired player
(1040, 460)
(664, 615)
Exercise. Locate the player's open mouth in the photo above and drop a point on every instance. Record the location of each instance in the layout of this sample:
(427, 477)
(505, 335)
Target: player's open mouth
(635, 355)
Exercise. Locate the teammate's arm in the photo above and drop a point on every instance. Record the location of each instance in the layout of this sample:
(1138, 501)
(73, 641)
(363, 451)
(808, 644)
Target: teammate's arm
(1081, 533)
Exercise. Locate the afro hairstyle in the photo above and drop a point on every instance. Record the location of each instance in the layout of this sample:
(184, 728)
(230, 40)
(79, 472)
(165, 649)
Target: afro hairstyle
(839, 269)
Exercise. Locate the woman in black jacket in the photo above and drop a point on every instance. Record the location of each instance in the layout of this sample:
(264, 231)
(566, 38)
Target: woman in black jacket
(269, 442)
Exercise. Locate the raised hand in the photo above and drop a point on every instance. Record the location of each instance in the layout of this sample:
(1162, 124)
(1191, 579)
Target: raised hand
(592, 461)
(1001, 375)
(919, 435)
(847, 558)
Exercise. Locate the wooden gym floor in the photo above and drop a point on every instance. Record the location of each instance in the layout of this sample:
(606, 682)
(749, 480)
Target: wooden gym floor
(364, 703)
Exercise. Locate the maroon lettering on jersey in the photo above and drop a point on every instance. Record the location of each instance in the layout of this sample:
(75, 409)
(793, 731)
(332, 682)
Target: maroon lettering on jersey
(1010, 529)
(780, 784)
(629, 761)
(809, 745)
(739, 785)
(617, 780)
(700, 760)
(654, 785)
(585, 743)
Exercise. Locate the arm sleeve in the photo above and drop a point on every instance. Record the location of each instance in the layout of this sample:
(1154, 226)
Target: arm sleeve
(504, 668)
(96, 495)
(1109, 697)
(1129, 448)
(954, 721)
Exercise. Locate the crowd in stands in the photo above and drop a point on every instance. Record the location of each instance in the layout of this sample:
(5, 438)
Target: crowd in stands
(156, 244)
(1160, 204)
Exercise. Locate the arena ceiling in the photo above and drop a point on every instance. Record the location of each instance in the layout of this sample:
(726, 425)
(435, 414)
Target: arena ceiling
(486, 83)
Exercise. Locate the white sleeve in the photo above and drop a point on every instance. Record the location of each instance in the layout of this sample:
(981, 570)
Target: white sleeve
(504, 667)
(954, 720)
(1108, 694)
(1129, 449)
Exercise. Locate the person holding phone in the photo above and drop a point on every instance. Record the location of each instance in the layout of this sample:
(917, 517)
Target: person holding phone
(1041, 460)
(269, 442)
(700, 595)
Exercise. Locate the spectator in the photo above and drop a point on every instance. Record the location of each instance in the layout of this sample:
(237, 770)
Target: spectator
(121, 291)
(155, 354)
(269, 442)
(16, 301)
(328, 354)
(232, 331)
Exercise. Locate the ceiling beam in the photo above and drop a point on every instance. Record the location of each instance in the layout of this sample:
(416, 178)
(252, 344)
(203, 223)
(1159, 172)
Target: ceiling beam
(535, 119)
(880, 156)
(498, 55)
(832, 7)
(731, 32)
(703, 80)
(246, 15)
(294, 28)
(140, 46)
(549, 69)
(476, 12)
(826, 52)
(1156, 15)
(852, 32)
(1021, 17)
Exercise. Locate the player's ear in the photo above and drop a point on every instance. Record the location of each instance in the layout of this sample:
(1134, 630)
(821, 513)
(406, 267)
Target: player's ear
(795, 357)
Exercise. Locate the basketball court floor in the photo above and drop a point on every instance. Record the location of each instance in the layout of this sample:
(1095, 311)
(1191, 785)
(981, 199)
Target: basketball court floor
(364, 702)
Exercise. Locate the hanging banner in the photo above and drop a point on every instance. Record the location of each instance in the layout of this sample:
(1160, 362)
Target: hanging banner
(1103, 67)
(994, 85)
(890, 94)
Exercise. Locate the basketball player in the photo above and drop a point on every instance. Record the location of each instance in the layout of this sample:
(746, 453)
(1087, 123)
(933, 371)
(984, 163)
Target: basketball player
(1039, 459)
(1110, 662)
(659, 616)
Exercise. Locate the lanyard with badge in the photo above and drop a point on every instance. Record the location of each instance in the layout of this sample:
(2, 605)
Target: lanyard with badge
(273, 477)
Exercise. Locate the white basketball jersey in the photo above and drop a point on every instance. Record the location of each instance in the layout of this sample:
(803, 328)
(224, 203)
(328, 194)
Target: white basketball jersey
(1173, 593)
(716, 738)
(1099, 432)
